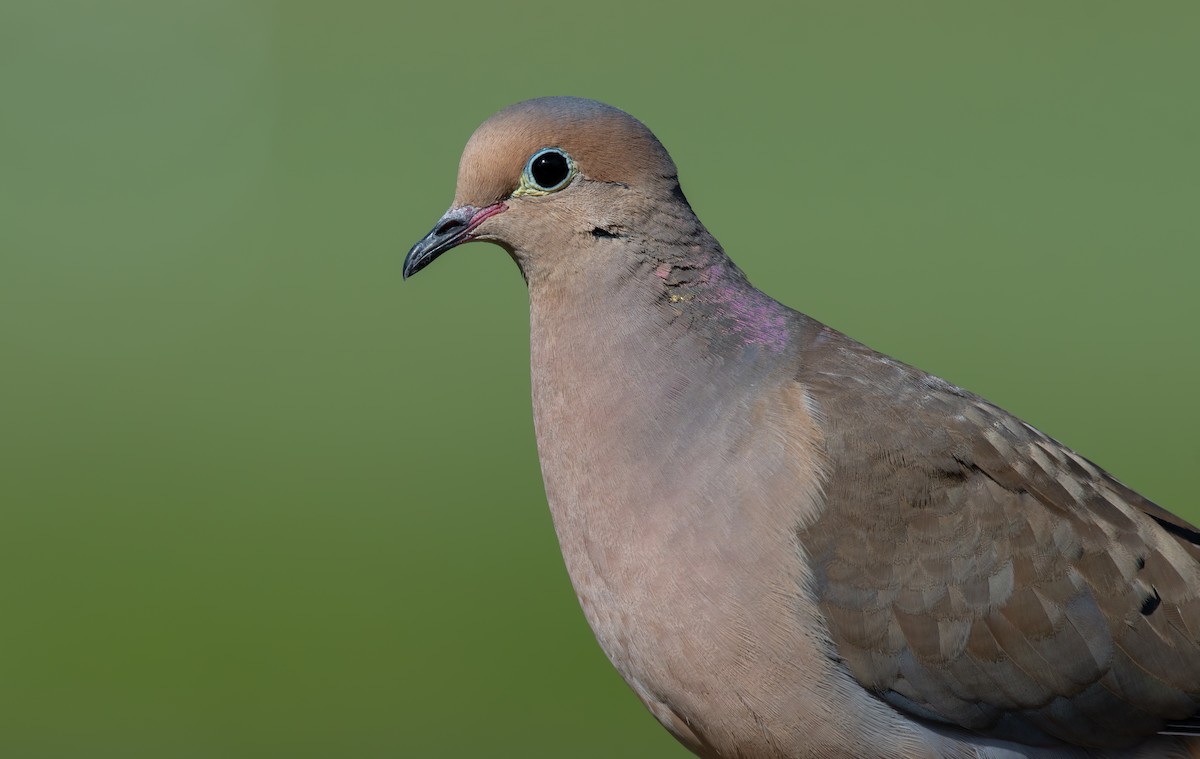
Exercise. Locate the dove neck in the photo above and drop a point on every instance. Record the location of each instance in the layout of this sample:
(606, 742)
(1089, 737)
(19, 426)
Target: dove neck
(634, 359)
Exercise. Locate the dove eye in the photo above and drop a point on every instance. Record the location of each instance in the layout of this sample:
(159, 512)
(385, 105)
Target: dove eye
(548, 170)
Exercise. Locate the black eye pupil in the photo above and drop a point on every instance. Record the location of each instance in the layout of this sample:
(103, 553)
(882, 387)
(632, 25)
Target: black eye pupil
(550, 169)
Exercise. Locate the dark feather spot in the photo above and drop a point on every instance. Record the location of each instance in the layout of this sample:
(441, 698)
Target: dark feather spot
(1182, 532)
(951, 475)
(1151, 603)
(1141, 563)
(602, 232)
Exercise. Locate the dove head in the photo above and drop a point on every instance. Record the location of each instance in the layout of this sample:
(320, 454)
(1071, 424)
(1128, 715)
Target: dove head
(558, 181)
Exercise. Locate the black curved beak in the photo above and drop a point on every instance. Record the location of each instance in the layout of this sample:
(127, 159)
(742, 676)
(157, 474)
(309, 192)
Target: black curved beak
(453, 229)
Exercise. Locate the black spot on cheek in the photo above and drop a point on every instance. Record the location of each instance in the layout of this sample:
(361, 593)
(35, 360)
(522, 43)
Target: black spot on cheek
(1150, 603)
(606, 233)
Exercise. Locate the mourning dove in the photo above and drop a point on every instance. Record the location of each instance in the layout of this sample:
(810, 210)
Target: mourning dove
(788, 544)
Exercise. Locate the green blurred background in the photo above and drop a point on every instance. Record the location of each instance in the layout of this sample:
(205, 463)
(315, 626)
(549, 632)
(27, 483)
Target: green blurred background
(258, 498)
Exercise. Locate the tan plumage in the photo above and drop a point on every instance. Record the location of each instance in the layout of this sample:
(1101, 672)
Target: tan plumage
(791, 545)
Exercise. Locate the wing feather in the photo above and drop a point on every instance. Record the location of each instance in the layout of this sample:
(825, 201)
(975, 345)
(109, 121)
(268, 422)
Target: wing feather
(973, 571)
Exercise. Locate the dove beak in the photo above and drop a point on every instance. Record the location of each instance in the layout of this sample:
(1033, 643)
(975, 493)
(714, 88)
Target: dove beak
(453, 229)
